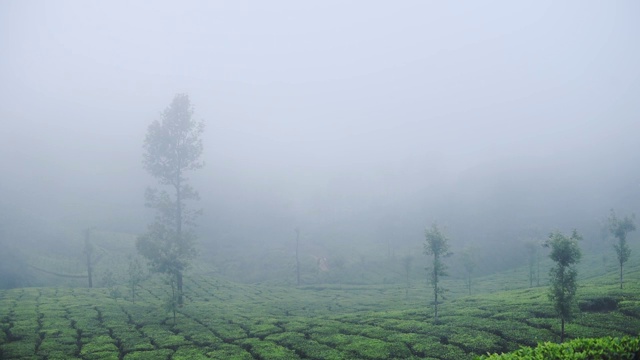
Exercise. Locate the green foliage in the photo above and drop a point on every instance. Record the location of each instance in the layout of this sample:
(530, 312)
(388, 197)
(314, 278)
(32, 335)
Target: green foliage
(159, 354)
(565, 252)
(99, 344)
(110, 282)
(166, 252)
(436, 245)
(162, 337)
(230, 352)
(309, 348)
(267, 350)
(598, 348)
(190, 353)
(226, 320)
(619, 228)
(172, 147)
(18, 350)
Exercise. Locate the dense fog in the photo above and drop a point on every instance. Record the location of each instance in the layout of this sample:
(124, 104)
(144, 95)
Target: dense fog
(359, 123)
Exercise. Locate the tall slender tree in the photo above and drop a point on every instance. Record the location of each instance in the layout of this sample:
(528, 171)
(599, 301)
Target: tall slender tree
(88, 251)
(297, 258)
(172, 147)
(619, 228)
(436, 245)
(565, 252)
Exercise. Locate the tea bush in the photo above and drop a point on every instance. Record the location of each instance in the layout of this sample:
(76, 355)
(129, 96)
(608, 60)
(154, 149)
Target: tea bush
(594, 348)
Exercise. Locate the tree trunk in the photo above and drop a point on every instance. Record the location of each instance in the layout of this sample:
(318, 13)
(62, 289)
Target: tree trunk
(89, 272)
(179, 233)
(562, 332)
(406, 292)
(435, 317)
(435, 293)
(620, 274)
(179, 285)
(538, 273)
(173, 303)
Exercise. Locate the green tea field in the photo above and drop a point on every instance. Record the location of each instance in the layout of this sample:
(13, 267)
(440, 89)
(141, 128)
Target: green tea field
(226, 320)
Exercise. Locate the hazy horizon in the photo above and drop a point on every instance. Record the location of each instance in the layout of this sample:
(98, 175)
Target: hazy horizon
(358, 122)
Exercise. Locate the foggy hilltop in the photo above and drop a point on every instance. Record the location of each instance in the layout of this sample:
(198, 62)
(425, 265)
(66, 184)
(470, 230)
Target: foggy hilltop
(358, 123)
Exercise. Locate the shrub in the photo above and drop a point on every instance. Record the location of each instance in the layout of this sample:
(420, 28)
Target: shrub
(598, 304)
(230, 352)
(149, 355)
(598, 348)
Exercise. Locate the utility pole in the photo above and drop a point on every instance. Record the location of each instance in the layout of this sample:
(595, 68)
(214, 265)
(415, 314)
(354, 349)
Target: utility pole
(88, 250)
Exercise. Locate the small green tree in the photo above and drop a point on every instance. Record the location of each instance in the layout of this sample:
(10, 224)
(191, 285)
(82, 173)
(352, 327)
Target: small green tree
(111, 282)
(469, 264)
(565, 252)
(436, 245)
(619, 228)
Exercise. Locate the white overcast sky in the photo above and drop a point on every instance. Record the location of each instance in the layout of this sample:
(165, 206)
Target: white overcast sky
(305, 98)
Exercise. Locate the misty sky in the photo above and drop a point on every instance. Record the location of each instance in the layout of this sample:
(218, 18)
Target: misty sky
(409, 111)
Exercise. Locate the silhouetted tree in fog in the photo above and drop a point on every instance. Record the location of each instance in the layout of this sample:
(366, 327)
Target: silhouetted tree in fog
(110, 281)
(297, 257)
(565, 251)
(436, 245)
(88, 251)
(619, 228)
(172, 147)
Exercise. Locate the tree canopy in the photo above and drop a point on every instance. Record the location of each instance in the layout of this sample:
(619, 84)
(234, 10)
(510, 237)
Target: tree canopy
(619, 228)
(565, 252)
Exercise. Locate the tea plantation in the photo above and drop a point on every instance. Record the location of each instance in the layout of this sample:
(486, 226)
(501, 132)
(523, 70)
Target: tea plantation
(225, 320)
